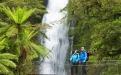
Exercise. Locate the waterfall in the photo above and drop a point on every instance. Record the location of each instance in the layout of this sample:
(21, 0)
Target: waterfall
(58, 38)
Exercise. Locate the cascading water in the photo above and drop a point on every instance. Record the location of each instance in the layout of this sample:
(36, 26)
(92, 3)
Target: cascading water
(58, 38)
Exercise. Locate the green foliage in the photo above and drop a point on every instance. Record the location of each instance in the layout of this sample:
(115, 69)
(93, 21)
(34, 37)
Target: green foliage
(6, 63)
(20, 33)
(107, 40)
(30, 4)
(19, 28)
(71, 31)
(98, 27)
(20, 38)
(18, 15)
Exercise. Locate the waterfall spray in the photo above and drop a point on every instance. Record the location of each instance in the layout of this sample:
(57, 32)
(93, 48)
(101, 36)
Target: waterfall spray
(58, 38)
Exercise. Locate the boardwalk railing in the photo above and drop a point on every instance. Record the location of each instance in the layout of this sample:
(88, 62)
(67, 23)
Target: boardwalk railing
(105, 67)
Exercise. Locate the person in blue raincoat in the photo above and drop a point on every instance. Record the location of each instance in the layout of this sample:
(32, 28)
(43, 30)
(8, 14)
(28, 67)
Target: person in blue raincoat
(83, 59)
(75, 61)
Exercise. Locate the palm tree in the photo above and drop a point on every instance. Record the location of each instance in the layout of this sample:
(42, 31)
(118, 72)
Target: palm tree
(20, 36)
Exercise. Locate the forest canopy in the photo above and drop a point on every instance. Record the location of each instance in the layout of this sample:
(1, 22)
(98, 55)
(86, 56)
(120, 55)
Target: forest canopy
(98, 26)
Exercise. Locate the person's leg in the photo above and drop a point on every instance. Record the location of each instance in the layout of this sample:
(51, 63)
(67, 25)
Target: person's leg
(76, 68)
(83, 68)
(72, 68)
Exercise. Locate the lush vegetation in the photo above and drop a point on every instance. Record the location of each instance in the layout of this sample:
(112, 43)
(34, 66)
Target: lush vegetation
(6, 64)
(19, 27)
(98, 29)
(98, 26)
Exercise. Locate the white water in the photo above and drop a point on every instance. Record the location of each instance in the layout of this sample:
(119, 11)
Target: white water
(58, 38)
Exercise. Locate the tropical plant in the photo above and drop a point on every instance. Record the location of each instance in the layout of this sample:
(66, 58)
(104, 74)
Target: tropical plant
(30, 4)
(20, 36)
(6, 63)
(19, 15)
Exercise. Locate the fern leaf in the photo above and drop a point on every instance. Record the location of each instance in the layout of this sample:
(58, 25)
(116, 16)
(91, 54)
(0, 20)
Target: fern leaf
(12, 31)
(2, 41)
(40, 49)
(27, 14)
(7, 56)
(3, 30)
(3, 69)
(8, 63)
(9, 13)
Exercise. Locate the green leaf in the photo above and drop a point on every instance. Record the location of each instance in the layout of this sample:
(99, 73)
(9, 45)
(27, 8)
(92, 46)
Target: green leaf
(8, 63)
(3, 69)
(40, 49)
(11, 31)
(18, 15)
(7, 56)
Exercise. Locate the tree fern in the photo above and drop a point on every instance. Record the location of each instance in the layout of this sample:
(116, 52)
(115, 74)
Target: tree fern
(6, 62)
(2, 43)
(20, 35)
(11, 31)
(18, 15)
(3, 69)
(40, 49)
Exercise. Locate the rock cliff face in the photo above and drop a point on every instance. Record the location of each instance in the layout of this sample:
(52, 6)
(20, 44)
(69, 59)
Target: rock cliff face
(45, 2)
